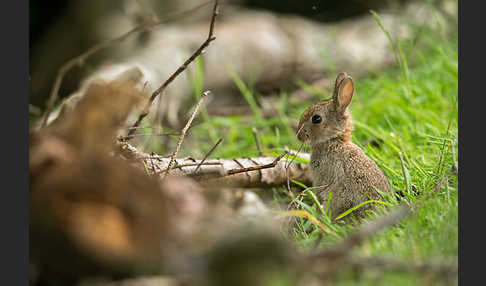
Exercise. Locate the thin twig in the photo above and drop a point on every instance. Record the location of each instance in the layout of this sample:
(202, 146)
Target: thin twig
(258, 167)
(287, 171)
(125, 138)
(190, 165)
(207, 155)
(287, 166)
(154, 156)
(79, 60)
(146, 127)
(198, 52)
(254, 130)
(296, 155)
(184, 130)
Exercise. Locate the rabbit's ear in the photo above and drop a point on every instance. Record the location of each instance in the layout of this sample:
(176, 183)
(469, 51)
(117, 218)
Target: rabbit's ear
(344, 93)
(339, 79)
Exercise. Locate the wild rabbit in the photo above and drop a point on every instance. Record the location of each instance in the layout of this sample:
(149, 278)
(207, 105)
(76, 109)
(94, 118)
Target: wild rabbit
(337, 165)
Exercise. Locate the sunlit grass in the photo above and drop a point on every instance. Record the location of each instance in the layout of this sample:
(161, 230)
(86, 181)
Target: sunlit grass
(410, 112)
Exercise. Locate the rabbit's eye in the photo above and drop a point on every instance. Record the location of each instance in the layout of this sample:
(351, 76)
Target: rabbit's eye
(316, 119)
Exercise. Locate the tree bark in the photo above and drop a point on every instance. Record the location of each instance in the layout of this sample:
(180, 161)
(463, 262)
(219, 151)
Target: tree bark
(217, 172)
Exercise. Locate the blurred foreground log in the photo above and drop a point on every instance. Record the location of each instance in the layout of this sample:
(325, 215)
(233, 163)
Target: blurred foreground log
(94, 214)
(90, 212)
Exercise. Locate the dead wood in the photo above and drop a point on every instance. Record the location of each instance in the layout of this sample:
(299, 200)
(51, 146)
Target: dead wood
(255, 136)
(116, 219)
(87, 204)
(184, 130)
(208, 154)
(239, 172)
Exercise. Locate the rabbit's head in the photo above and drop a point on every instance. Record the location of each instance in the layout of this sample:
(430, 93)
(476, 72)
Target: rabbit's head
(330, 118)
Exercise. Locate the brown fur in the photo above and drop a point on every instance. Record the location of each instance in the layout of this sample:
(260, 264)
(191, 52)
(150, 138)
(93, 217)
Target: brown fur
(337, 164)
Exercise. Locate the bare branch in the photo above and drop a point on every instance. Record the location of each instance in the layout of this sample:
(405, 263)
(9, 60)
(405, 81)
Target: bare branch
(214, 172)
(124, 138)
(287, 172)
(208, 154)
(191, 165)
(184, 131)
(199, 51)
(258, 167)
(255, 135)
(79, 60)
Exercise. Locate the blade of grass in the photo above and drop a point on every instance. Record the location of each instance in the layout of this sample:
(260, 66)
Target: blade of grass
(329, 198)
(305, 214)
(360, 205)
(406, 174)
(387, 34)
(248, 95)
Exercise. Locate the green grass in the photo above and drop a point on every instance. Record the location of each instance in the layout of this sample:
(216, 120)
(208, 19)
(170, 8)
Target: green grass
(410, 109)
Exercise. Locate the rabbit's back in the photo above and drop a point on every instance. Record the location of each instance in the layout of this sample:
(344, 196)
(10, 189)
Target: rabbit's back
(344, 169)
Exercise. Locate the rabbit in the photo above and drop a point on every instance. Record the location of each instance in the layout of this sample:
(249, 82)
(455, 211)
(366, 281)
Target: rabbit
(337, 165)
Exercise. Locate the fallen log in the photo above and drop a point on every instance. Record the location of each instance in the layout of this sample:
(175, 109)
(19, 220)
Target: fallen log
(257, 172)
